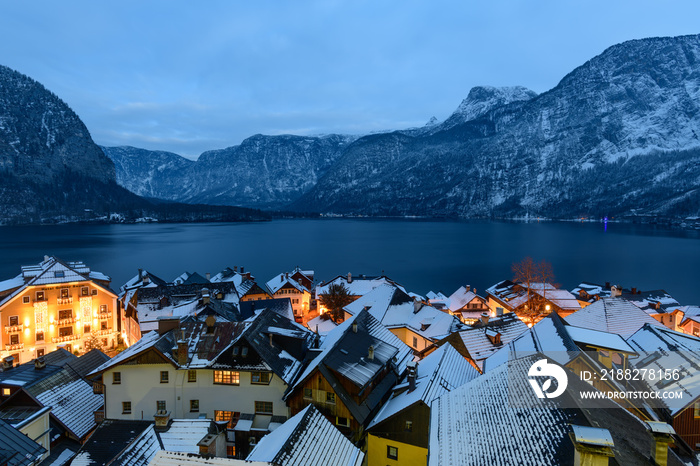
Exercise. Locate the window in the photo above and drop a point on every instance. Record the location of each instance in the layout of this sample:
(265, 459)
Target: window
(260, 378)
(696, 409)
(40, 352)
(415, 342)
(39, 336)
(94, 292)
(330, 397)
(65, 331)
(227, 377)
(231, 451)
(65, 314)
(230, 416)
(64, 293)
(116, 378)
(235, 350)
(164, 377)
(5, 392)
(84, 291)
(103, 325)
(244, 351)
(308, 393)
(342, 421)
(160, 405)
(103, 309)
(86, 329)
(59, 274)
(126, 407)
(263, 407)
(194, 406)
(25, 299)
(409, 426)
(14, 339)
(191, 376)
(14, 320)
(392, 452)
(40, 296)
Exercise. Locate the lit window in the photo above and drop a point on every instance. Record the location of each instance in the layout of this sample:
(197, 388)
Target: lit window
(65, 331)
(84, 291)
(342, 421)
(263, 407)
(230, 416)
(409, 426)
(40, 295)
(308, 393)
(116, 378)
(14, 320)
(64, 293)
(231, 451)
(194, 406)
(103, 309)
(696, 409)
(14, 339)
(164, 376)
(103, 325)
(126, 407)
(160, 405)
(191, 376)
(392, 453)
(65, 314)
(5, 392)
(86, 329)
(260, 378)
(330, 397)
(227, 377)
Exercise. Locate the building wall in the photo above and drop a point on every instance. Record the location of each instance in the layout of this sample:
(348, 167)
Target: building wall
(408, 455)
(687, 426)
(140, 384)
(406, 335)
(37, 429)
(300, 300)
(35, 314)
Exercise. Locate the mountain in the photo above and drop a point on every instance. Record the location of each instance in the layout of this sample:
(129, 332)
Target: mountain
(52, 171)
(261, 172)
(618, 134)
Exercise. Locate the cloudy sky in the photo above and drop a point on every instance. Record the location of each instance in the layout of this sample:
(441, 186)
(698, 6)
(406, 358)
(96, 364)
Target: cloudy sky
(190, 76)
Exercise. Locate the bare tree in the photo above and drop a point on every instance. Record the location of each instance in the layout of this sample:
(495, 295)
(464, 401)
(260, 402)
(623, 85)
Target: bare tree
(335, 299)
(528, 274)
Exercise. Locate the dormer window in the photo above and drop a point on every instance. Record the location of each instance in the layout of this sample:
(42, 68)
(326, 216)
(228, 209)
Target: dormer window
(244, 351)
(59, 274)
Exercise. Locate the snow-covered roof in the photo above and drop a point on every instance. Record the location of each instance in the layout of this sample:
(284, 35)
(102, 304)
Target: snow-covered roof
(167, 458)
(184, 434)
(438, 373)
(279, 281)
(613, 315)
(461, 298)
(598, 339)
(12, 283)
(321, 326)
(307, 439)
(669, 350)
(357, 286)
(480, 346)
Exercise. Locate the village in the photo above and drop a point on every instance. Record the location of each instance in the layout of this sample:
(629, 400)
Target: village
(224, 368)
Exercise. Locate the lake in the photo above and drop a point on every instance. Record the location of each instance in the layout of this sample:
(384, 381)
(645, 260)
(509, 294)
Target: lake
(421, 255)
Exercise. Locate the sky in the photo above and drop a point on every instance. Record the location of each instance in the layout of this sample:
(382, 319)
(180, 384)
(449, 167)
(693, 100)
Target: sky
(188, 77)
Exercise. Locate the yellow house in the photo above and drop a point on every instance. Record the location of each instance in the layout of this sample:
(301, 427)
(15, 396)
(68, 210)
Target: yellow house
(53, 305)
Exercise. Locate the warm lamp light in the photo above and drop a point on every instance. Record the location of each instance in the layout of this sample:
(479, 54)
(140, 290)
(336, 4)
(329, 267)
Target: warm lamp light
(26, 332)
(94, 322)
(51, 326)
(51, 320)
(26, 322)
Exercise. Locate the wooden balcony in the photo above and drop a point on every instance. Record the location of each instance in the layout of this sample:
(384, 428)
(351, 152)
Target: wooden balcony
(18, 346)
(62, 301)
(14, 328)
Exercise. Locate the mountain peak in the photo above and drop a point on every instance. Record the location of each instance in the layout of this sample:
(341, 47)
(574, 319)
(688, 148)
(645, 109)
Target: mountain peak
(481, 99)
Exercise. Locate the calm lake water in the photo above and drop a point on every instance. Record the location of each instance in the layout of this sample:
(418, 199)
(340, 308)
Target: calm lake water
(422, 255)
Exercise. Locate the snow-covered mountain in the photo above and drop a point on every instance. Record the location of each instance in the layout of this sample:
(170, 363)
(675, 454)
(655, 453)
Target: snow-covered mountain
(618, 134)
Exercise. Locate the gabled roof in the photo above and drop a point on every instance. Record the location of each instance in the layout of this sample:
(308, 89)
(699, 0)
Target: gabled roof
(170, 458)
(613, 315)
(111, 438)
(460, 298)
(357, 286)
(280, 281)
(477, 342)
(441, 371)
(307, 439)
(661, 349)
(282, 306)
(17, 449)
(648, 301)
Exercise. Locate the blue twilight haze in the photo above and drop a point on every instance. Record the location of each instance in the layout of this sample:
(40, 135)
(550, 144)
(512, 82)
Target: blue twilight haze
(186, 77)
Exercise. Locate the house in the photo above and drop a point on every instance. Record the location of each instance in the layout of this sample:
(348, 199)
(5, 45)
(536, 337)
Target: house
(33, 423)
(688, 320)
(232, 372)
(401, 427)
(513, 297)
(613, 315)
(474, 424)
(662, 349)
(297, 287)
(416, 324)
(17, 449)
(467, 305)
(246, 287)
(357, 286)
(57, 304)
(351, 374)
(307, 439)
(476, 344)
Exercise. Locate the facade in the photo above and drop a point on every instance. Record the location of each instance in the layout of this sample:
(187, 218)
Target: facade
(296, 286)
(57, 304)
(517, 297)
(467, 305)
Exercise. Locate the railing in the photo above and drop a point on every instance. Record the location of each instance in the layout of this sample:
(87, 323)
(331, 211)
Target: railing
(68, 300)
(14, 328)
(105, 315)
(77, 336)
(99, 333)
(66, 321)
(10, 347)
(98, 388)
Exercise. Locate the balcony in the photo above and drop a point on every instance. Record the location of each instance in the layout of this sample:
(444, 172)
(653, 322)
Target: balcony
(66, 338)
(66, 321)
(99, 333)
(61, 301)
(18, 346)
(105, 315)
(14, 328)
(98, 388)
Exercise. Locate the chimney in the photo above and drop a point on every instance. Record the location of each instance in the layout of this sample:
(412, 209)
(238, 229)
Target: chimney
(634, 290)
(663, 437)
(593, 446)
(208, 276)
(207, 446)
(162, 420)
(484, 318)
(247, 275)
(181, 352)
(412, 375)
(467, 288)
(166, 325)
(46, 257)
(206, 298)
(499, 311)
(242, 269)
(210, 321)
(146, 279)
(417, 305)
(354, 327)
(370, 353)
(235, 268)
(39, 363)
(7, 363)
(349, 277)
(99, 416)
(607, 285)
